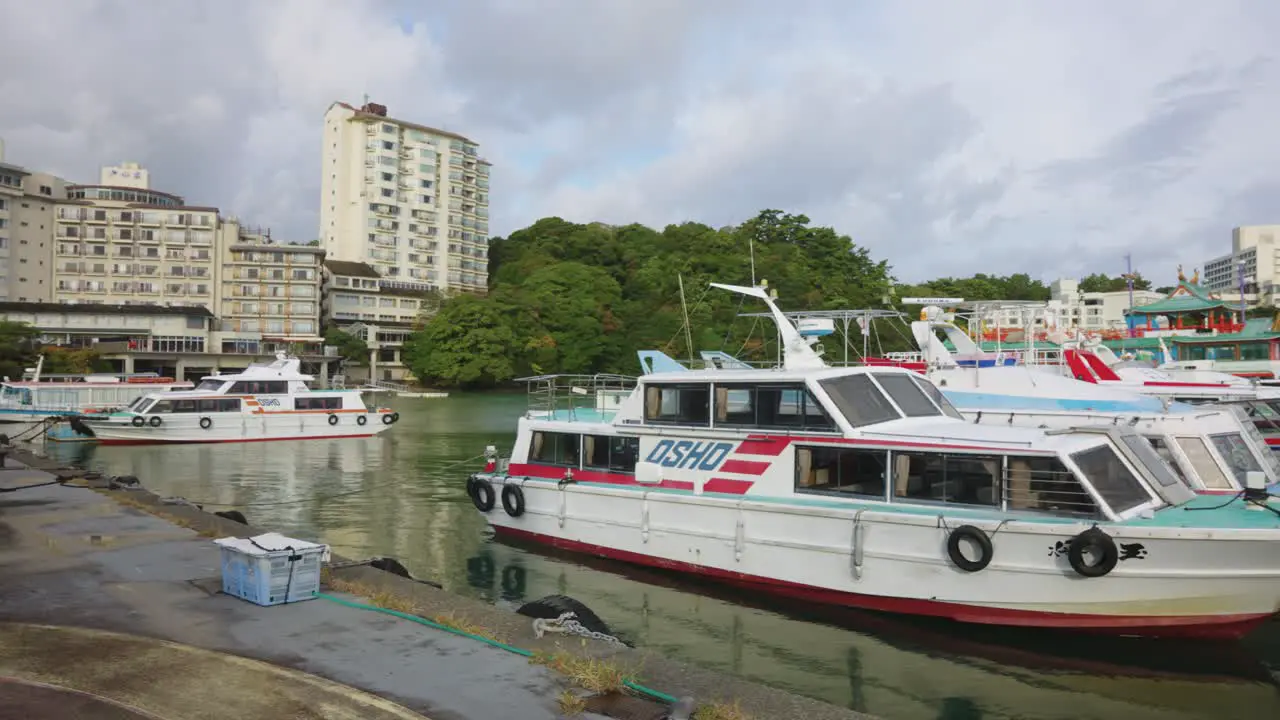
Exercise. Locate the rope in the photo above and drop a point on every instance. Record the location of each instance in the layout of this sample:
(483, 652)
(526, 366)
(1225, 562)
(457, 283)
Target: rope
(660, 696)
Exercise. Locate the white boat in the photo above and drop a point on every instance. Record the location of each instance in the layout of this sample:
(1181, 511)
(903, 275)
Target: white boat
(866, 487)
(265, 402)
(36, 397)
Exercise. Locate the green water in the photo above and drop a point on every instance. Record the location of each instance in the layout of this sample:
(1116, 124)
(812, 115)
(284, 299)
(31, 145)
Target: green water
(399, 495)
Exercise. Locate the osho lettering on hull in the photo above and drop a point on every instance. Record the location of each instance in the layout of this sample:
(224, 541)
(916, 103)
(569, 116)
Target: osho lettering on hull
(690, 454)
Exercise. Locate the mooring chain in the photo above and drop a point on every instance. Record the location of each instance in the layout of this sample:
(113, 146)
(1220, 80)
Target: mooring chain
(568, 625)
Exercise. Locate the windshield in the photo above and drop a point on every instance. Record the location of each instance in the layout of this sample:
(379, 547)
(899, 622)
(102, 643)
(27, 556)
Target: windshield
(1202, 460)
(907, 395)
(936, 396)
(207, 384)
(1112, 479)
(859, 400)
(1162, 449)
(1233, 449)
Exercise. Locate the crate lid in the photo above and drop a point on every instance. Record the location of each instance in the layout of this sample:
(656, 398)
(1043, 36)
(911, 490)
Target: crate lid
(267, 543)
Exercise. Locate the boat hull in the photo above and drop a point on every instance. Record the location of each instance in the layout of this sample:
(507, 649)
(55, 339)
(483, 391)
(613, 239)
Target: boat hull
(241, 427)
(1170, 584)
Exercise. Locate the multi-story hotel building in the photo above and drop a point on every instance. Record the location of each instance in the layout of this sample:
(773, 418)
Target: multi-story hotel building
(381, 312)
(27, 201)
(270, 292)
(120, 242)
(409, 200)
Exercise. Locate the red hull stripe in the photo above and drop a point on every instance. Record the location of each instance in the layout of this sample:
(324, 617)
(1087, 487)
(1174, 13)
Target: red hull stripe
(550, 472)
(207, 442)
(1169, 383)
(744, 467)
(727, 486)
(771, 447)
(1210, 626)
(1273, 441)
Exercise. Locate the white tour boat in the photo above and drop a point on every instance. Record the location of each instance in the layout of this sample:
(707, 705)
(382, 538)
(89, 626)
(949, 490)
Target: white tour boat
(866, 487)
(265, 402)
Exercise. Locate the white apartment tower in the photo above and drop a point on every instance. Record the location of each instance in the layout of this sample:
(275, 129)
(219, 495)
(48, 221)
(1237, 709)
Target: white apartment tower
(409, 200)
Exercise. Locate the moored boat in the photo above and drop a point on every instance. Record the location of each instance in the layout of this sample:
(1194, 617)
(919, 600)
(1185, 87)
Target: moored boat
(38, 397)
(265, 402)
(866, 487)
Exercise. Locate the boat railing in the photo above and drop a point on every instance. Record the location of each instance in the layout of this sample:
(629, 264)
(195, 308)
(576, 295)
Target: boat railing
(577, 397)
(1057, 492)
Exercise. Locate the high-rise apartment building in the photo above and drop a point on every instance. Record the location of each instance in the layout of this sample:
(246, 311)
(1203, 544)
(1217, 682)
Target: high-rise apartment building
(1254, 260)
(269, 291)
(409, 200)
(120, 242)
(27, 201)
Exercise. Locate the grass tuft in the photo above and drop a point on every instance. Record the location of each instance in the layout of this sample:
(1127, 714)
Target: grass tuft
(593, 674)
(721, 711)
(571, 704)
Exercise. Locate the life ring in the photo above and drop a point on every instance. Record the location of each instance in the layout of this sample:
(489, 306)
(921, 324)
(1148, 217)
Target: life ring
(155, 421)
(138, 421)
(979, 538)
(482, 495)
(333, 419)
(206, 423)
(388, 419)
(513, 500)
(1101, 545)
(362, 419)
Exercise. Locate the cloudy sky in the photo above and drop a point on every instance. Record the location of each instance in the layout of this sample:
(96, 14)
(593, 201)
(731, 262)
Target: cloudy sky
(948, 137)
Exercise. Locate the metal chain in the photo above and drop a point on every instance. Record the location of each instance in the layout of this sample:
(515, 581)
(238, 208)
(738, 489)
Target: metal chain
(568, 625)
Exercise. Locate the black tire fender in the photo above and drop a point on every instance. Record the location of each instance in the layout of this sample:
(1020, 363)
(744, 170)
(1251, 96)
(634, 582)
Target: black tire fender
(482, 495)
(388, 419)
(513, 500)
(138, 421)
(333, 419)
(362, 419)
(206, 423)
(979, 538)
(155, 421)
(1101, 544)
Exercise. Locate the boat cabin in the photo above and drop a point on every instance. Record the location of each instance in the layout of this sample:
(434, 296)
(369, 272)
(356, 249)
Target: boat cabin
(878, 435)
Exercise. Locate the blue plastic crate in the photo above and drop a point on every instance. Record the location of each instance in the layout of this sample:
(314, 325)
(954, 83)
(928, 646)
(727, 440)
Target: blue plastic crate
(264, 568)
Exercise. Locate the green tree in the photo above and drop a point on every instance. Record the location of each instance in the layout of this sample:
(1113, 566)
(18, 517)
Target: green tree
(352, 349)
(1099, 282)
(73, 361)
(19, 348)
(471, 342)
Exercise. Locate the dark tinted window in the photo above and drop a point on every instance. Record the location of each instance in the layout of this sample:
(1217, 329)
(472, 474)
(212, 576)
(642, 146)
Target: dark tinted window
(605, 452)
(677, 404)
(852, 471)
(907, 395)
(935, 394)
(1044, 484)
(776, 406)
(184, 406)
(947, 477)
(1111, 478)
(859, 400)
(550, 448)
(317, 403)
(260, 387)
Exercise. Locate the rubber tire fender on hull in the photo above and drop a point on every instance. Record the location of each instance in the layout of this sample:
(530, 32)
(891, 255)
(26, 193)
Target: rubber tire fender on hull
(1101, 544)
(513, 500)
(979, 538)
(482, 494)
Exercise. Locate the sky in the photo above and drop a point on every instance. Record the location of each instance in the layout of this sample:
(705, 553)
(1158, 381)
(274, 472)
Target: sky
(948, 138)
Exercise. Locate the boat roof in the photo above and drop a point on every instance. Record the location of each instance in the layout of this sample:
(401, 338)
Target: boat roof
(282, 368)
(770, 374)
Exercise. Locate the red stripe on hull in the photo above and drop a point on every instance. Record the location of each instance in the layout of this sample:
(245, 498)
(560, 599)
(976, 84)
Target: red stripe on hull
(744, 467)
(1201, 627)
(237, 440)
(772, 447)
(727, 486)
(819, 440)
(1169, 383)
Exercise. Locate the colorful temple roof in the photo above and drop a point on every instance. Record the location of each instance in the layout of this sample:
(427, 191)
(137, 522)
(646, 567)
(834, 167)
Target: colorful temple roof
(1187, 297)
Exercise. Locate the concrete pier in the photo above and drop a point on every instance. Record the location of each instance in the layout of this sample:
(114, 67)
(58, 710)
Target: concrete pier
(110, 600)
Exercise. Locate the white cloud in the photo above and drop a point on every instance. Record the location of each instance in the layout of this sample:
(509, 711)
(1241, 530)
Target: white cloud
(950, 138)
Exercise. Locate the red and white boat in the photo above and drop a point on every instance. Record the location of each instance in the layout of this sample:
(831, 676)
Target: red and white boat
(866, 487)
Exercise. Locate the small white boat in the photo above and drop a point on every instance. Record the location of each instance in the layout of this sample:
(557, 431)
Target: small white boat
(866, 487)
(37, 397)
(265, 402)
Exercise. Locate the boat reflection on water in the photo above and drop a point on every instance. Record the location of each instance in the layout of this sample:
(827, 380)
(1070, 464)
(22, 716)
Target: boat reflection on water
(894, 666)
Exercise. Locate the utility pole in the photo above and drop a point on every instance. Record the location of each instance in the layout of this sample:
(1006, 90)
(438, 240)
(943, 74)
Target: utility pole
(1128, 280)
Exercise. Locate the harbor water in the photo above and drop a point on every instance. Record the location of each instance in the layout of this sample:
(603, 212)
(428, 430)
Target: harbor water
(401, 494)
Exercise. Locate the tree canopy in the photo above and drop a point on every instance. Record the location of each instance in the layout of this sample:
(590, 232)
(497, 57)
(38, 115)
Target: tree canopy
(19, 348)
(572, 298)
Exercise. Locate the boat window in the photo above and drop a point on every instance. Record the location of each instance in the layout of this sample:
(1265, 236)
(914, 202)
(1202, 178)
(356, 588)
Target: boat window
(1202, 460)
(947, 477)
(210, 385)
(260, 387)
(184, 406)
(1166, 453)
(908, 396)
(607, 452)
(936, 396)
(677, 404)
(1157, 466)
(552, 448)
(207, 405)
(851, 471)
(161, 406)
(1111, 478)
(1233, 449)
(789, 406)
(1044, 484)
(859, 400)
(317, 403)
(137, 403)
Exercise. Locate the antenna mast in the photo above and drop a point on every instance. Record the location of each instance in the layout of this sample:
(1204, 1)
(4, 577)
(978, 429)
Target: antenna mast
(688, 334)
